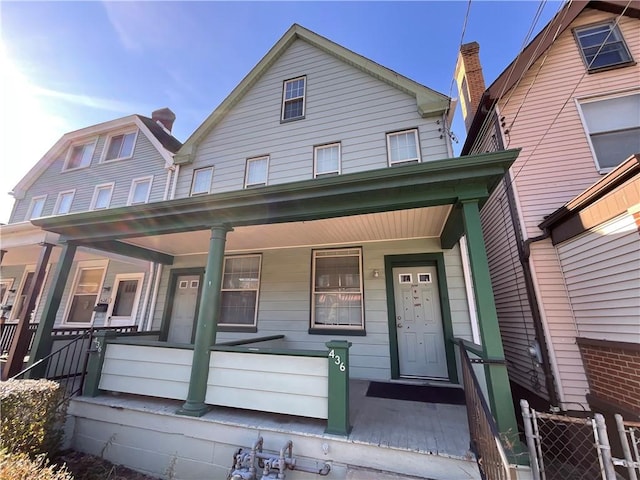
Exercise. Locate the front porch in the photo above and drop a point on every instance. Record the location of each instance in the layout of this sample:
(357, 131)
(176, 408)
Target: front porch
(425, 440)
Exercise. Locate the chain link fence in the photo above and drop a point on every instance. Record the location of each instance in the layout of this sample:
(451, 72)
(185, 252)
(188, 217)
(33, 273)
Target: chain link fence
(563, 447)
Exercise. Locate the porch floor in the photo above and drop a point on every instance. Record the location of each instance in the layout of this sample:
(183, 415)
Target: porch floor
(418, 432)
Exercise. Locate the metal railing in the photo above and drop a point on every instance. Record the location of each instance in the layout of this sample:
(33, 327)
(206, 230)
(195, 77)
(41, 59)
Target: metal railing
(7, 333)
(67, 364)
(485, 438)
(629, 433)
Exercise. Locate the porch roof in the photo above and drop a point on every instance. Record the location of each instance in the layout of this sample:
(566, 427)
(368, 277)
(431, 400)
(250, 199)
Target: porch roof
(431, 184)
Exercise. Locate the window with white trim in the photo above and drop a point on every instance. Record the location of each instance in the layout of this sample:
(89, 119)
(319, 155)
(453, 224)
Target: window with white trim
(36, 207)
(403, 146)
(120, 146)
(256, 172)
(201, 183)
(326, 160)
(86, 288)
(602, 46)
(293, 98)
(240, 290)
(102, 196)
(140, 190)
(79, 156)
(613, 128)
(337, 289)
(63, 202)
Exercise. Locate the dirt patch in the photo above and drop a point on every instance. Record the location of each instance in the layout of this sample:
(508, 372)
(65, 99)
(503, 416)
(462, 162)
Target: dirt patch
(89, 467)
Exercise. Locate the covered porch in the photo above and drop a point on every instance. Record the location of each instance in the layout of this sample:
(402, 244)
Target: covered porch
(395, 218)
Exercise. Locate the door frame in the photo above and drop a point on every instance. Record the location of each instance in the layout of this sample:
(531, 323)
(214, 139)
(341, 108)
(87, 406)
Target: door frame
(171, 291)
(415, 260)
(114, 291)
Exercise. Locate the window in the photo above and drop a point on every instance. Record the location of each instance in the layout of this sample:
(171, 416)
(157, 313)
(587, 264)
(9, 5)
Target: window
(602, 46)
(256, 172)
(326, 159)
(337, 289)
(403, 147)
(102, 196)
(36, 207)
(239, 293)
(63, 203)
(293, 98)
(120, 146)
(5, 286)
(201, 181)
(140, 190)
(86, 288)
(79, 156)
(613, 128)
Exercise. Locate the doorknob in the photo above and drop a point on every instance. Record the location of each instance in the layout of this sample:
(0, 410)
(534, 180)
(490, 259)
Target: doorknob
(399, 325)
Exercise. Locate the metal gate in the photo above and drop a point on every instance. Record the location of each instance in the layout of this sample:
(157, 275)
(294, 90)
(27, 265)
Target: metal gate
(562, 447)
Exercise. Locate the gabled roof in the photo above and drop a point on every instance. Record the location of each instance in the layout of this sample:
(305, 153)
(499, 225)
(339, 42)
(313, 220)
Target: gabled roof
(165, 143)
(534, 50)
(429, 102)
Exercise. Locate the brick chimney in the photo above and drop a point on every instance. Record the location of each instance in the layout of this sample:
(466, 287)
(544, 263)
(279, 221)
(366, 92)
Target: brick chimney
(470, 80)
(165, 116)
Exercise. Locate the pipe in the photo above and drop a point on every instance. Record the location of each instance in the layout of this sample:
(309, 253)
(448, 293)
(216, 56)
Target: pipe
(524, 252)
(154, 297)
(145, 302)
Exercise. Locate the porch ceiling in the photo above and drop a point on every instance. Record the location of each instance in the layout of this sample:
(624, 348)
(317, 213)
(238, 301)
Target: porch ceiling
(276, 212)
(403, 224)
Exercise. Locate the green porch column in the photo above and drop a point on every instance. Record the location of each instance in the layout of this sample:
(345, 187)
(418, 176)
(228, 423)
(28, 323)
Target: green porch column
(42, 342)
(338, 402)
(207, 325)
(496, 373)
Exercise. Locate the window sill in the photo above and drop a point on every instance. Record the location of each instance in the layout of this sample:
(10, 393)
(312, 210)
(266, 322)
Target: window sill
(111, 160)
(288, 120)
(337, 331)
(611, 67)
(237, 328)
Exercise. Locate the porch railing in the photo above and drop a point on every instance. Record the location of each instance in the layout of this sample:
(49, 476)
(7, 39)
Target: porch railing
(485, 438)
(8, 331)
(252, 375)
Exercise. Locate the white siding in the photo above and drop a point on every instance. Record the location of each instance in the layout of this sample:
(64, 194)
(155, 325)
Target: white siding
(602, 271)
(343, 104)
(269, 383)
(154, 371)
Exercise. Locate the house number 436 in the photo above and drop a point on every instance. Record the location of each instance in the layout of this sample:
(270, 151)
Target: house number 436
(337, 360)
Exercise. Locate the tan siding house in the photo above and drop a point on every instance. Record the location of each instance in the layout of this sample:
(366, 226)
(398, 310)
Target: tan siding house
(555, 107)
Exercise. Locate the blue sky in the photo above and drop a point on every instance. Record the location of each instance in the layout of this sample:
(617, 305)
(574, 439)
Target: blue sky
(69, 65)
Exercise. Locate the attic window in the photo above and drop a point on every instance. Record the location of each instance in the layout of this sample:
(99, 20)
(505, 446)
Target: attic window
(120, 146)
(79, 156)
(602, 46)
(403, 147)
(293, 98)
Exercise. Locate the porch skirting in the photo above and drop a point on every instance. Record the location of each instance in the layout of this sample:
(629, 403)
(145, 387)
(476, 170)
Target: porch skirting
(146, 434)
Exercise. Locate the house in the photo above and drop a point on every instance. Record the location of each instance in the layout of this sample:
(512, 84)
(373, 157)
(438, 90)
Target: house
(126, 161)
(564, 259)
(315, 239)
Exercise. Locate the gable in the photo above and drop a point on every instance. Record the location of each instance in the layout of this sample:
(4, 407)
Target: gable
(58, 152)
(428, 102)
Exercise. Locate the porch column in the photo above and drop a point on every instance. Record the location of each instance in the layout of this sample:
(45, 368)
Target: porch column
(22, 338)
(495, 370)
(207, 324)
(42, 342)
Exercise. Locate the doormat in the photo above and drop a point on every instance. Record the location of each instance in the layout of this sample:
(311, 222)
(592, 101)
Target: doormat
(416, 393)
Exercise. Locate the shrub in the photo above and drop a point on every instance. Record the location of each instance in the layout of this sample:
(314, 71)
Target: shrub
(18, 466)
(31, 417)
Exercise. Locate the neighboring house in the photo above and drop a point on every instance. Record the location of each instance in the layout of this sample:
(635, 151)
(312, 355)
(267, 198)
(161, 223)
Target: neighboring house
(567, 302)
(127, 161)
(319, 201)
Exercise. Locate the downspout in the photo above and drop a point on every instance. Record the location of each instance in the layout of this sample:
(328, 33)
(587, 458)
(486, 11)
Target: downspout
(524, 252)
(176, 171)
(145, 303)
(154, 297)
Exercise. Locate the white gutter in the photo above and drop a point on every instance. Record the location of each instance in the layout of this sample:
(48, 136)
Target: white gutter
(175, 181)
